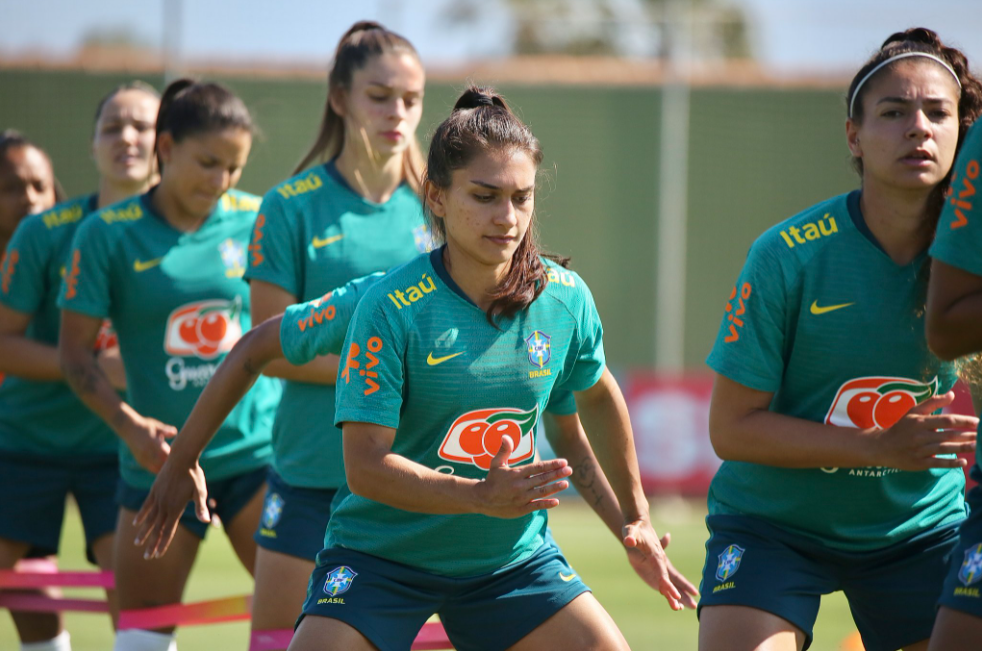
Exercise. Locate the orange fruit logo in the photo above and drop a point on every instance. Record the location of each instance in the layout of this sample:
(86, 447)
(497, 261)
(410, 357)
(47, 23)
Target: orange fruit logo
(204, 329)
(877, 402)
(476, 436)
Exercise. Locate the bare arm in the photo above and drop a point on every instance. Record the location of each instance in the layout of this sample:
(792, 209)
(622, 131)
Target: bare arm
(144, 436)
(23, 357)
(375, 472)
(181, 480)
(269, 300)
(954, 311)
(742, 428)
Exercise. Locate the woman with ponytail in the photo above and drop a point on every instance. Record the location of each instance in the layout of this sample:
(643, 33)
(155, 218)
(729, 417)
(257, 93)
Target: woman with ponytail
(166, 266)
(449, 362)
(836, 473)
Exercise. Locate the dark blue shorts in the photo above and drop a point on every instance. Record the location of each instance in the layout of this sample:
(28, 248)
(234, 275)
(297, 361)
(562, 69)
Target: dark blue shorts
(230, 495)
(34, 490)
(389, 602)
(963, 586)
(892, 591)
(294, 519)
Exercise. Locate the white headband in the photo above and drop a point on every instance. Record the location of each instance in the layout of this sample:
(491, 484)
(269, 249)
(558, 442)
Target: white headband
(947, 66)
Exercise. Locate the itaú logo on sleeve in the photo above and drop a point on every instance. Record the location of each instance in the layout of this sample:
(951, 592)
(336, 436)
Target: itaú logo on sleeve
(203, 329)
(475, 437)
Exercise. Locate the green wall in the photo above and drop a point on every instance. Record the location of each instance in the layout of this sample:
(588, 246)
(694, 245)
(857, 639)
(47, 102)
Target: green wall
(756, 156)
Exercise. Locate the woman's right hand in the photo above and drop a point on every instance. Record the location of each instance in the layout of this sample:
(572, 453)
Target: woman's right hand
(513, 492)
(914, 442)
(147, 440)
(176, 484)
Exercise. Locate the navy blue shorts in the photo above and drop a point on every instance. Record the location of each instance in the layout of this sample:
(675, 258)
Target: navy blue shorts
(230, 496)
(35, 488)
(294, 519)
(962, 586)
(389, 602)
(892, 591)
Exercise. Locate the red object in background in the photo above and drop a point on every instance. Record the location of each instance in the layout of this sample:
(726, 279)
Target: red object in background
(963, 405)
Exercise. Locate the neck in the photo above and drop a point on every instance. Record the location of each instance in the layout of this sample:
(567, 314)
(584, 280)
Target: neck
(901, 221)
(110, 193)
(167, 206)
(373, 177)
(476, 279)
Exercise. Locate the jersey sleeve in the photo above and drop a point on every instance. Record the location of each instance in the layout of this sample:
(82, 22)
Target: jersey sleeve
(274, 256)
(23, 277)
(86, 287)
(561, 403)
(585, 361)
(370, 382)
(959, 235)
(749, 346)
(318, 327)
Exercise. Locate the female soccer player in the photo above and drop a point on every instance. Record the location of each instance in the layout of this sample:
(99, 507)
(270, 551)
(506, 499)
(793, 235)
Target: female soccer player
(449, 361)
(167, 268)
(836, 476)
(50, 444)
(953, 312)
(354, 214)
(27, 182)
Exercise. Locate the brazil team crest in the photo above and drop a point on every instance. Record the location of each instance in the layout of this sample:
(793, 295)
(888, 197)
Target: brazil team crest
(729, 562)
(423, 239)
(539, 349)
(272, 511)
(971, 569)
(339, 580)
(233, 257)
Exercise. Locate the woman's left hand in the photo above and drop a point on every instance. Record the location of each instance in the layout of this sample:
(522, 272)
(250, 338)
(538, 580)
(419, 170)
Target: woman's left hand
(646, 554)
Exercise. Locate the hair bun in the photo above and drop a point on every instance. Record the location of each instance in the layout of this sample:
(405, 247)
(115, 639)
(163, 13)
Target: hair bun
(476, 96)
(921, 35)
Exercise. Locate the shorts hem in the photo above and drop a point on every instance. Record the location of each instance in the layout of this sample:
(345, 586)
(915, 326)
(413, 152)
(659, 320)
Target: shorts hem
(532, 622)
(355, 623)
(809, 632)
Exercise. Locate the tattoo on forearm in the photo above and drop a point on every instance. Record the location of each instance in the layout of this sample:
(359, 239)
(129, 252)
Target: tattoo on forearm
(84, 376)
(585, 476)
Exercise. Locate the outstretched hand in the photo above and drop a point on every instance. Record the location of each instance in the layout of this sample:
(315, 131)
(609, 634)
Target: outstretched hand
(646, 554)
(914, 441)
(175, 486)
(509, 492)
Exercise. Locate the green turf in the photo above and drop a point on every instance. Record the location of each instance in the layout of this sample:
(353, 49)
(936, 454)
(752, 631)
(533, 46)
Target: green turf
(641, 613)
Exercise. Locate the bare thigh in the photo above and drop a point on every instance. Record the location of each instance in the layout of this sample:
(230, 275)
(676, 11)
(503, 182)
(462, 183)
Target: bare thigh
(955, 631)
(31, 627)
(741, 628)
(317, 633)
(281, 587)
(580, 625)
(102, 549)
(242, 527)
(142, 583)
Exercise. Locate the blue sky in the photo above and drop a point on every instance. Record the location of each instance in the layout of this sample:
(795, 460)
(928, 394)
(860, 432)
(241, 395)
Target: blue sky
(789, 35)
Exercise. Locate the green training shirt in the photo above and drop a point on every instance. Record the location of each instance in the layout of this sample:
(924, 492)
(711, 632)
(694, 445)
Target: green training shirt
(420, 357)
(313, 234)
(45, 417)
(823, 318)
(178, 303)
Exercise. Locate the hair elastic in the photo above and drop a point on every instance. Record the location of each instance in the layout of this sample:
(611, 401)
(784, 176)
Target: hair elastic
(484, 100)
(947, 66)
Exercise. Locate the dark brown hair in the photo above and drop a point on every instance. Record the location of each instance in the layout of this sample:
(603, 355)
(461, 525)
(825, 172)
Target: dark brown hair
(189, 108)
(14, 139)
(130, 85)
(481, 121)
(363, 41)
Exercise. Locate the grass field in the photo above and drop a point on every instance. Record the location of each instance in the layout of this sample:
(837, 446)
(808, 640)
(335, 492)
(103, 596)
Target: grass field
(641, 613)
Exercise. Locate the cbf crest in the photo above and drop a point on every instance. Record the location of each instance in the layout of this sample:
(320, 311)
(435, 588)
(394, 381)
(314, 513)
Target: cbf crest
(423, 238)
(539, 349)
(971, 569)
(729, 562)
(272, 511)
(339, 580)
(233, 257)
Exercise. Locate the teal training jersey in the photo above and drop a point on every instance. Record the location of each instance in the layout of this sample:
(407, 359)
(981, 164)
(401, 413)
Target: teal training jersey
(823, 318)
(178, 303)
(958, 242)
(313, 234)
(45, 417)
(423, 359)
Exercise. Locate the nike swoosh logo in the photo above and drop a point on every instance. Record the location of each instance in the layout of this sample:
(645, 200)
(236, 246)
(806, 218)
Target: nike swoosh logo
(139, 265)
(318, 242)
(567, 577)
(816, 310)
(433, 361)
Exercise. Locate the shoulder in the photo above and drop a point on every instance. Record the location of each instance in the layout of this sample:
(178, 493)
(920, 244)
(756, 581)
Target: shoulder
(792, 243)
(114, 220)
(237, 201)
(403, 291)
(63, 216)
(299, 189)
(565, 286)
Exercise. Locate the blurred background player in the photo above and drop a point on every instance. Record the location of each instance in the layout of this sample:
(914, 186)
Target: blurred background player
(954, 309)
(831, 479)
(353, 214)
(167, 267)
(50, 444)
(446, 371)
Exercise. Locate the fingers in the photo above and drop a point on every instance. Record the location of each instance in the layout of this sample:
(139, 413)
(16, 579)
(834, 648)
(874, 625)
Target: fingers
(541, 505)
(167, 531)
(937, 462)
(953, 422)
(146, 517)
(201, 504)
(665, 540)
(933, 404)
(148, 505)
(500, 460)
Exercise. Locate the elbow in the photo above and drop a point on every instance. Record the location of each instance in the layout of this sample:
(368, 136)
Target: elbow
(725, 444)
(359, 478)
(940, 341)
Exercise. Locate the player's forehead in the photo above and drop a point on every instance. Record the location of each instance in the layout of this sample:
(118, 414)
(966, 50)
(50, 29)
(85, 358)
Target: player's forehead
(395, 71)
(913, 79)
(25, 164)
(130, 104)
(509, 168)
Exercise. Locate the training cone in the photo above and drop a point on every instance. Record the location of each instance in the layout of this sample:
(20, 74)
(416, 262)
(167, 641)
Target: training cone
(852, 643)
